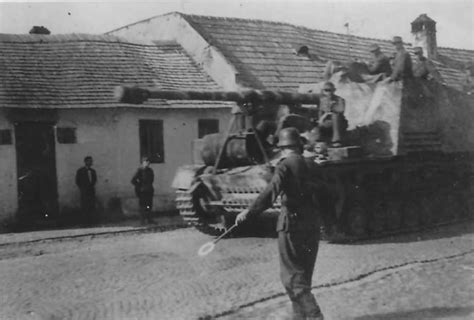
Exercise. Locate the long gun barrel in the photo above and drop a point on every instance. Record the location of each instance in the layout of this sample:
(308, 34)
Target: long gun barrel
(137, 95)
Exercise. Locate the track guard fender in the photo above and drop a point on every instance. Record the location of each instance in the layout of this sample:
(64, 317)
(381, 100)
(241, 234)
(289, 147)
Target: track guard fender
(185, 177)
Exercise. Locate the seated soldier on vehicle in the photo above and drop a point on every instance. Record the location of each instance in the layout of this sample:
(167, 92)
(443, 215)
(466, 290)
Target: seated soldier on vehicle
(321, 151)
(424, 68)
(332, 123)
(380, 63)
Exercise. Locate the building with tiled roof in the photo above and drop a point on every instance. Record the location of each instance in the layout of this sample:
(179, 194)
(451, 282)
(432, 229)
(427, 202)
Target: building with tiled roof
(57, 106)
(77, 70)
(274, 55)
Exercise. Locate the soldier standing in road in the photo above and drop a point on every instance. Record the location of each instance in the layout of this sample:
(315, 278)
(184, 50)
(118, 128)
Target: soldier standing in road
(380, 63)
(86, 179)
(402, 65)
(143, 182)
(297, 226)
(424, 68)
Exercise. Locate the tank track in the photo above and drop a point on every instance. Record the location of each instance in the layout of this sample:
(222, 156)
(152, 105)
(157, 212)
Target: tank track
(393, 217)
(383, 214)
(419, 203)
(234, 201)
(186, 207)
(386, 220)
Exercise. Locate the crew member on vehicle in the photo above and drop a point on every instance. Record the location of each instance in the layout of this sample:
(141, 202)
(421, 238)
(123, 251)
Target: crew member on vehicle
(380, 63)
(402, 64)
(424, 68)
(331, 120)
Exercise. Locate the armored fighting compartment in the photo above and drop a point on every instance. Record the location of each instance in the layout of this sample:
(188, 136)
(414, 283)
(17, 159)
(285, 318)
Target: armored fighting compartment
(406, 163)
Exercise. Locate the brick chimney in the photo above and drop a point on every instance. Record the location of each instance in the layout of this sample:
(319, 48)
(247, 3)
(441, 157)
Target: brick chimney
(424, 33)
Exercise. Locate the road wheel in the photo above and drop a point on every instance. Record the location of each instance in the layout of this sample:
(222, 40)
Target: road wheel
(377, 218)
(210, 221)
(411, 214)
(427, 211)
(393, 215)
(357, 220)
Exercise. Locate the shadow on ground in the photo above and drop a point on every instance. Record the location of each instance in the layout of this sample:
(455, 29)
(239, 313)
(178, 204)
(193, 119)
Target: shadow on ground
(428, 313)
(74, 222)
(432, 233)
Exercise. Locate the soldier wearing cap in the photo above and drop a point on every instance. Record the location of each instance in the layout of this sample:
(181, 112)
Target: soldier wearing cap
(143, 182)
(380, 63)
(297, 225)
(424, 68)
(331, 120)
(402, 65)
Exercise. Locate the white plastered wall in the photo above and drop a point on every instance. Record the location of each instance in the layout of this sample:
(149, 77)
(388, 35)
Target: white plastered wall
(174, 27)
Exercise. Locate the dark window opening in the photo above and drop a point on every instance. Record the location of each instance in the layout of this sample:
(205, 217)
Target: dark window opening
(207, 126)
(151, 140)
(66, 135)
(5, 136)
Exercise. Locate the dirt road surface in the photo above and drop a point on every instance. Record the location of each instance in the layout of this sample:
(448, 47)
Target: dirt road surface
(160, 276)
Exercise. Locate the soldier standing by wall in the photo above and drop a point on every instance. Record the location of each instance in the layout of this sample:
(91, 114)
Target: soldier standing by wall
(86, 178)
(143, 182)
(297, 226)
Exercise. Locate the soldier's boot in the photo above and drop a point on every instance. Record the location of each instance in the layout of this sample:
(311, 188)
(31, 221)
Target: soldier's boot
(142, 216)
(297, 311)
(310, 307)
(149, 219)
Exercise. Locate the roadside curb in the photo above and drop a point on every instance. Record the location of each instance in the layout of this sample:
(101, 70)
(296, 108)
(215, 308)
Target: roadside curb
(92, 234)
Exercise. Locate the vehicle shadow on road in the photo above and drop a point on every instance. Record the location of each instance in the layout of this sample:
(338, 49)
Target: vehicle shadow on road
(428, 313)
(448, 231)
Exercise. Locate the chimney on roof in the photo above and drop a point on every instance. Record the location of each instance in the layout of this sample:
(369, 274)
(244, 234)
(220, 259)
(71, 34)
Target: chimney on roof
(424, 32)
(39, 30)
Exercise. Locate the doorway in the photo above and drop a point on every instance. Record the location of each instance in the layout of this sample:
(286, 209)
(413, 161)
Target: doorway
(36, 171)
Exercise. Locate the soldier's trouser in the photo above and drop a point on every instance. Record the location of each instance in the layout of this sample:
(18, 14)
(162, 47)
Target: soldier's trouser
(298, 251)
(88, 205)
(334, 129)
(145, 201)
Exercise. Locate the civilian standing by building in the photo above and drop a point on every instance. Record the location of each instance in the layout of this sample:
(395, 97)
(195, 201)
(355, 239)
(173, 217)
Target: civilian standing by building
(86, 178)
(297, 225)
(143, 182)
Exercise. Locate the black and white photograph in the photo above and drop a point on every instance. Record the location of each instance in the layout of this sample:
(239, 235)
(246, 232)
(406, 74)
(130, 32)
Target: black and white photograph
(237, 159)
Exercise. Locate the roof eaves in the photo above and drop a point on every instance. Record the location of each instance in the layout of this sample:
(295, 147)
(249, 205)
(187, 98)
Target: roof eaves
(69, 38)
(145, 20)
(286, 24)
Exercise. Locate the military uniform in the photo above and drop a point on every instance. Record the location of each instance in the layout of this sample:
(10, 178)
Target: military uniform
(298, 230)
(380, 64)
(143, 182)
(424, 68)
(402, 65)
(331, 116)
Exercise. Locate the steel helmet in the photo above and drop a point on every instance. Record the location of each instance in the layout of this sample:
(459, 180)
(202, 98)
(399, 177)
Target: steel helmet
(289, 137)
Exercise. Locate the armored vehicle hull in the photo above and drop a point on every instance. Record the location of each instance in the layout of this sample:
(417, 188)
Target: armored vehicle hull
(407, 162)
(414, 169)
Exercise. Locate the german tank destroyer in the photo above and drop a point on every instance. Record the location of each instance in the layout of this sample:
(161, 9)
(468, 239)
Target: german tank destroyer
(405, 164)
